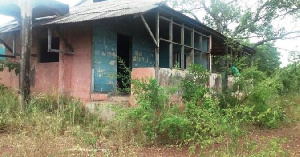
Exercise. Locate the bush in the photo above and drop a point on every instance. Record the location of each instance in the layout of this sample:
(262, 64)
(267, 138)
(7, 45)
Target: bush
(157, 121)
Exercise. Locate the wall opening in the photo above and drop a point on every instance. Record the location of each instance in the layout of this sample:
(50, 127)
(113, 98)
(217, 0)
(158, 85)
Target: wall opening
(124, 47)
(45, 56)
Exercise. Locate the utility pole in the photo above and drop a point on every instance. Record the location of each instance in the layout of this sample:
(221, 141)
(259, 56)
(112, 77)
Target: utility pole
(26, 46)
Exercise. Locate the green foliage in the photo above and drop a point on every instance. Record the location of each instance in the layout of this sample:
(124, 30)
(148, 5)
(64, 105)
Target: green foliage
(243, 20)
(256, 97)
(47, 115)
(150, 95)
(200, 118)
(267, 58)
(253, 148)
(156, 121)
(264, 98)
(10, 65)
(204, 118)
(194, 84)
(290, 78)
(124, 77)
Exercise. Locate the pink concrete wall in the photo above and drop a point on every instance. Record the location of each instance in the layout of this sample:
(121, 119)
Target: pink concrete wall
(71, 75)
(75, 70)
(46, 78)
(143, 73)
(9, 79)
(140, 74)
(45, 75)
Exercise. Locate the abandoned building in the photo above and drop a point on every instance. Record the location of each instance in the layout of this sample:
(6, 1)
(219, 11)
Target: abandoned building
(77, 51)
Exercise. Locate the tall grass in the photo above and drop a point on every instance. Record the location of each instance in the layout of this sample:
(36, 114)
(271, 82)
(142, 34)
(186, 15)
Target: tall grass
(45, 120)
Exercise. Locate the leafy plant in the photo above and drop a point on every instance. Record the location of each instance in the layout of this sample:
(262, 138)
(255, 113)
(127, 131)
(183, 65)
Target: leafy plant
(11, 65)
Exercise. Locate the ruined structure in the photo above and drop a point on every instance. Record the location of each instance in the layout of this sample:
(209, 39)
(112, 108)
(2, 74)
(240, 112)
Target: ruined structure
(76, 52)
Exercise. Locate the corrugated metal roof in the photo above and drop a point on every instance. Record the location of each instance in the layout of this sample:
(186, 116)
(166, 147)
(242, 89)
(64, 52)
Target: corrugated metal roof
(9, 27)
(106, 9)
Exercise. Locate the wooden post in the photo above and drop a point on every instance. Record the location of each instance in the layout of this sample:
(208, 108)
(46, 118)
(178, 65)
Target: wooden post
(49, 39)
(149, 30)
(193, 46)
(26, 45)
(200, 47)
(227, 66)
(210, 56)
(14, 46)
(157, 47)
(182, 48)
(171, 44)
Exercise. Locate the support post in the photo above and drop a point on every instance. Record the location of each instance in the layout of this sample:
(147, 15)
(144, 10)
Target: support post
(193, 46)
(227, 66)
(14, 46)
(26, 45)
(182, 48)
(200, 47)
(49, 40)
(210, 56)
(149, 30)
(200, 43)
(157, 47)
(171, 44)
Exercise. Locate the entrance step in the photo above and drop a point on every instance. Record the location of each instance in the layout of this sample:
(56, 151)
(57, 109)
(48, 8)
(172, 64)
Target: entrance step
(103, 109)
(119, 99)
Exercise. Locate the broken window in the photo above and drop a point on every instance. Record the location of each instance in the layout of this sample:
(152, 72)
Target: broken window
(45, 56)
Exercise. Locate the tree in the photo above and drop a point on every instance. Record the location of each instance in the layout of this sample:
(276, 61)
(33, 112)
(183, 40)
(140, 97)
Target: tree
(267, 58)
(243, 19)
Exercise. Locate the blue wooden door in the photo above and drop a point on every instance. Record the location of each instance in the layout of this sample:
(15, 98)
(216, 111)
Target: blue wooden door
(104, 59)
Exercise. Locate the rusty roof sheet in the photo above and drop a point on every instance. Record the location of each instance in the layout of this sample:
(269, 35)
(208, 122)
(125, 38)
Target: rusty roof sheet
(106, 9)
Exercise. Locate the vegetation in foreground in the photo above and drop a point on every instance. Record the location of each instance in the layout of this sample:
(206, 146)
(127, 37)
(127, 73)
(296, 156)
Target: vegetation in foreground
(185, 115)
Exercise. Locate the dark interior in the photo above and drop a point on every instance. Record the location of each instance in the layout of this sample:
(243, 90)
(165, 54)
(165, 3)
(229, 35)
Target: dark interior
(123, 47)
(45, 56)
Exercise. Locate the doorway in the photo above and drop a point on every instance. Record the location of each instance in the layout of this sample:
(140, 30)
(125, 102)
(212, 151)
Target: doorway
(124, 47)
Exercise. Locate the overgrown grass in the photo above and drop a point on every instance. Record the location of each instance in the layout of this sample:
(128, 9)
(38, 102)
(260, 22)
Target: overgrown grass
(199, 119)
(45, 120)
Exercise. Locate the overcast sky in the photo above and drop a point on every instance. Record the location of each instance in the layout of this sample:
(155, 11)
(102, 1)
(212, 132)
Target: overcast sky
(284, 45)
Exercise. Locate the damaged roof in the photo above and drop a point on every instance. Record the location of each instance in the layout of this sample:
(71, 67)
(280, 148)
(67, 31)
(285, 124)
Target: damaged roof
(86, 10)
(94, 11)
(106, 9)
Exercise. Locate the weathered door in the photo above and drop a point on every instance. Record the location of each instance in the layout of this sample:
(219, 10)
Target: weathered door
(104, 59)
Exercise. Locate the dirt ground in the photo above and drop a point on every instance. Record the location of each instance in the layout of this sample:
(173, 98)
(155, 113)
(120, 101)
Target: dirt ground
(22, 145)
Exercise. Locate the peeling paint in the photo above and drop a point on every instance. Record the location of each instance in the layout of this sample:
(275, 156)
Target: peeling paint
(112, 63)
(105, 63)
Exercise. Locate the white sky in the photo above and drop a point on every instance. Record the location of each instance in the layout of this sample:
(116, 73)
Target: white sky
(285, 45)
